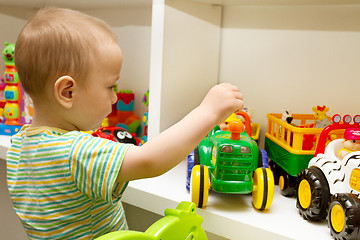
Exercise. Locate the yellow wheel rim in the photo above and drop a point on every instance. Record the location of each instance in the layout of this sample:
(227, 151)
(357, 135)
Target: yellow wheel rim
(304, 194)
(263, 195)
(258, 191)
(281, 182)
(337, 218)
(199, 189)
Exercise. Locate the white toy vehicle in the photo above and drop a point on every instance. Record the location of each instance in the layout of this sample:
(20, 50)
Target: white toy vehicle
(330, 186)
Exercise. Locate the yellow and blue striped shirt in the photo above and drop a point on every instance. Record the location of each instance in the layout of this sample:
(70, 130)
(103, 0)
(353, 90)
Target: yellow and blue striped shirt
(62, 184)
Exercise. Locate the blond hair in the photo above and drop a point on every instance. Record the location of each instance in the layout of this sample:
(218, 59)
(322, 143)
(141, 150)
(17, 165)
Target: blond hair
(58, 42)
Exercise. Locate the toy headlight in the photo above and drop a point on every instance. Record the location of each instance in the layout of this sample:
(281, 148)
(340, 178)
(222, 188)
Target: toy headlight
(227, 149)
(245, 150)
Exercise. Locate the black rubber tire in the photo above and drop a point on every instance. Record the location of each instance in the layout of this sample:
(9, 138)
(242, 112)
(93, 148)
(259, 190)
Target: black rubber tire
(351, 206)
(275, 169)
(320, 194)
(196, 156)
(290, 184)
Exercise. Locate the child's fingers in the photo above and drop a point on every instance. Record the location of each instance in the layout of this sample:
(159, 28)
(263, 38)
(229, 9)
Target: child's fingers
(239, 105)
(238, 95)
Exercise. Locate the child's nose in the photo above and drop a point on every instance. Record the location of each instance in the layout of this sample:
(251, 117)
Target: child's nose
(114, 98)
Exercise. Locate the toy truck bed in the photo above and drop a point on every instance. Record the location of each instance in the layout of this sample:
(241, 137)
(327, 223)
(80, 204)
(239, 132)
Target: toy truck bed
(290, 147)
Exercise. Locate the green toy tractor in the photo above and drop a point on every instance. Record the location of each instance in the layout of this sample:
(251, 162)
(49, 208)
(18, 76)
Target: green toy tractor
(230, 162)
(181, 223)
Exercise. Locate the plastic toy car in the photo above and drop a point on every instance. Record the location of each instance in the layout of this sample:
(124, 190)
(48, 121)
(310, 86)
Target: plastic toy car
(181, 223)
(116, 134)
(330, 186)
(230, 162)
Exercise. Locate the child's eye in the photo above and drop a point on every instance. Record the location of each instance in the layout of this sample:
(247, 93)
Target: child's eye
(111, 87)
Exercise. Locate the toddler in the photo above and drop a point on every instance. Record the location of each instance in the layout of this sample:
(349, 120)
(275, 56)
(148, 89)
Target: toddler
(66, 184)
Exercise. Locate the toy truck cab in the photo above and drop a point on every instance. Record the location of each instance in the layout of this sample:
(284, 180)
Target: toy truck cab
(230, 162)
(330, 186)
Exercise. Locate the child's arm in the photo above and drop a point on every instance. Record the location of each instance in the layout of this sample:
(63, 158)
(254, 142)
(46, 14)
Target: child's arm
(170, 147)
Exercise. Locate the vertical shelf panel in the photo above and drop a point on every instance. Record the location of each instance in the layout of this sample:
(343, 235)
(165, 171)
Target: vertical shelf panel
(185, 62)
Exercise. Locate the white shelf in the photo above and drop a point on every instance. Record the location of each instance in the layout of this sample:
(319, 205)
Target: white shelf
(95, 4)
(230, 216)
(259, 45)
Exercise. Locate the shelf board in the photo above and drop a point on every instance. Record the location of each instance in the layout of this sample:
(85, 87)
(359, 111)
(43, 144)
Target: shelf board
(78, 4)
(278, 2)
(95, 4)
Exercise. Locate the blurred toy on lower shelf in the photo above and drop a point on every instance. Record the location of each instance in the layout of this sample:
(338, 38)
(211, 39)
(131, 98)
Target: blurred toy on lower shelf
(145, 119)
(16, 106)
(123, 114)
(117, 134)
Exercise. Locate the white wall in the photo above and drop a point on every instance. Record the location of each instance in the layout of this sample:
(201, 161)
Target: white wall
(293, 57)
(132, 26)
(9, 27)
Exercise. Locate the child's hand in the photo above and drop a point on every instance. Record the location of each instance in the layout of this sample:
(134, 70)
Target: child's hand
(176, 142)
(221, 101)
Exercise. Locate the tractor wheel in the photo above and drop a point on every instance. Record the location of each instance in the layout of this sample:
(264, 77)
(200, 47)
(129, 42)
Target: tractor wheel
(263, 191)
(344, 216)
(199, 185)
(196, 156)
(192, 159)
(313, 194)
(287, 184)
(275, 170)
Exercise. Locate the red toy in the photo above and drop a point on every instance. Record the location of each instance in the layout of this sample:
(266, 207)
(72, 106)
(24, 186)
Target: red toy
(122, 114)
(117, 134)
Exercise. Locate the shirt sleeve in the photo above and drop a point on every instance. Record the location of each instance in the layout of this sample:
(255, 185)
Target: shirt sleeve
(94, 165)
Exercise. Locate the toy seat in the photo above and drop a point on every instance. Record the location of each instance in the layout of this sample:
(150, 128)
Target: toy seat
(178, 224)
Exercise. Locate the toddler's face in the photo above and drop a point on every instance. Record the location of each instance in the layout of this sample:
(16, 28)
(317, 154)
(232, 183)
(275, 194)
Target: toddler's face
(353, 145)
(97, 94)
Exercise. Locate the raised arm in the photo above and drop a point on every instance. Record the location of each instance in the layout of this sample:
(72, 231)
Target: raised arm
(170, 147)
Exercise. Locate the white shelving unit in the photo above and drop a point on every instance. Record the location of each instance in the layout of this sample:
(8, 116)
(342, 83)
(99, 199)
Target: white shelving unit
(281, 53)
(228, 216)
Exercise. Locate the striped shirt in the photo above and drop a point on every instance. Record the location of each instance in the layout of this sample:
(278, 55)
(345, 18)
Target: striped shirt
(62, 184)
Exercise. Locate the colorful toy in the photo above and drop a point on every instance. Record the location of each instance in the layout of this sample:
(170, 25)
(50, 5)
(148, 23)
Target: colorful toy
(230, 162)
(12, 90)
(123, 115)
(14, 111)
(181, 223)
(145, 118)
(351, 142)
(2, 98)
(322, 120)
(290, 147)
(117, 134)
(225, 125)
(330, 186)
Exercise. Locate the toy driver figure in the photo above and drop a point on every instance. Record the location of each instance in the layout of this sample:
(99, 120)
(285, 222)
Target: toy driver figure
(351, 142)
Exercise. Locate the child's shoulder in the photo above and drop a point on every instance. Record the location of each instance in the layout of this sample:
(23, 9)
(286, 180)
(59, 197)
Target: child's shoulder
(45, 132)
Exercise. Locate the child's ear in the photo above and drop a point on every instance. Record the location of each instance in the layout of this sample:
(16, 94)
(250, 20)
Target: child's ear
(63, 89)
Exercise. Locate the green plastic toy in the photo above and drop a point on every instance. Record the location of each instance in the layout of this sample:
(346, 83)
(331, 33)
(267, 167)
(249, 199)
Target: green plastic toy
(230, 162)
(181, 223)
